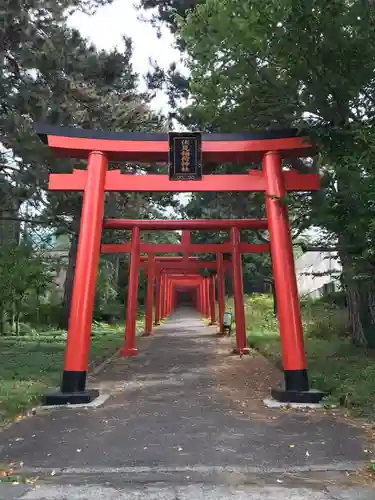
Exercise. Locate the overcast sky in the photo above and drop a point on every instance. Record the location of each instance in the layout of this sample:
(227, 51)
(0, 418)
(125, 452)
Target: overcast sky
(106, 28)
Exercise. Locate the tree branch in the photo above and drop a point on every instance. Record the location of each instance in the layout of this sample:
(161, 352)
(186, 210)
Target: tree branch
(317, 248)
(41, 222)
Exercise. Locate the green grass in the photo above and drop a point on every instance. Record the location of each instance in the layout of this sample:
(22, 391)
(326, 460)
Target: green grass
(32, 364)
(334, 363)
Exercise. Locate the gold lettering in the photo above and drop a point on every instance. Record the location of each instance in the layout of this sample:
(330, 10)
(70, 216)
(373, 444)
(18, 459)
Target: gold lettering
(185, 156)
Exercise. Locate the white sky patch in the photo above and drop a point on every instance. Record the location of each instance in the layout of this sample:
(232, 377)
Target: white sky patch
(110, 23)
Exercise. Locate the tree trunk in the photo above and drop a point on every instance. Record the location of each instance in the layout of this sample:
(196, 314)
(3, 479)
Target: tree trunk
(117, 272)
(2, 320)
(361, 302)
(17, 320)
(12, 199)
(38, 307)
(361, 308)
(12, 317)
(68, 285)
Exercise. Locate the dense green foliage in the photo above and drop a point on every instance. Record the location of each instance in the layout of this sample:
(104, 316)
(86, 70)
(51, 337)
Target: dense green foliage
(25, 276)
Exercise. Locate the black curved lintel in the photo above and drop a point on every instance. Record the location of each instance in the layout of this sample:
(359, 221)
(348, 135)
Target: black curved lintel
(45, 130)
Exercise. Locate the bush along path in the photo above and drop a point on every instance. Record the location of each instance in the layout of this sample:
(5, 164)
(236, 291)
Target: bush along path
(334, 363)
(32, 363)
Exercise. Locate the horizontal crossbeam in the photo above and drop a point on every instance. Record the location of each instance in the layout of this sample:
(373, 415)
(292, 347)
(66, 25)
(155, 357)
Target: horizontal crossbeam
(178, 248)
(116, 181)
(180, 224)
(182, 266)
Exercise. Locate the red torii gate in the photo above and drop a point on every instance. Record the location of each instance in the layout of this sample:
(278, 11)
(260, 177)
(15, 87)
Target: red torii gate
(99, 148)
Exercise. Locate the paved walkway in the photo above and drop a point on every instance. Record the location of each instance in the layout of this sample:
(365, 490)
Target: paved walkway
(185, 420)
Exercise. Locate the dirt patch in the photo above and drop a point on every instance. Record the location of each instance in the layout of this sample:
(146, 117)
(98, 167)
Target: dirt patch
(246, 380)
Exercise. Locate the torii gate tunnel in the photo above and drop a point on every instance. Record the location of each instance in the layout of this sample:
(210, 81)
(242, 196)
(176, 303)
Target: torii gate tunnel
(99, 148)
(164, 270)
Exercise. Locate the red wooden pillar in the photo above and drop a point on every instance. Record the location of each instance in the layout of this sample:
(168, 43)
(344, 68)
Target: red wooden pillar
(129, 348)
(170, 292)
(166, 296)
(162, 296)
(150, 294)
(205, 301)
(212, 285)
(157, 301)
(73, 384)
(288, 310)
(202, 298)
(238, 293)
(169, 297)
(220, 289)
(166, 293)
(208, 297)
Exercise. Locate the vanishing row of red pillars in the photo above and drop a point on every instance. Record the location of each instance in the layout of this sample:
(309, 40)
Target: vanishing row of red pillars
(167, 283)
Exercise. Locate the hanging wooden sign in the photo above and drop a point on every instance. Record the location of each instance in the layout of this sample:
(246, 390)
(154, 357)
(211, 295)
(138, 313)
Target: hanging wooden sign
(185, 156)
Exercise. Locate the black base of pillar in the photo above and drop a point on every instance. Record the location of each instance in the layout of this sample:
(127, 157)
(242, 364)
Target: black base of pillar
(72, 398)
(73, 381)
(73, 390)
(307, 397)
(297, 389)
(296, 380)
